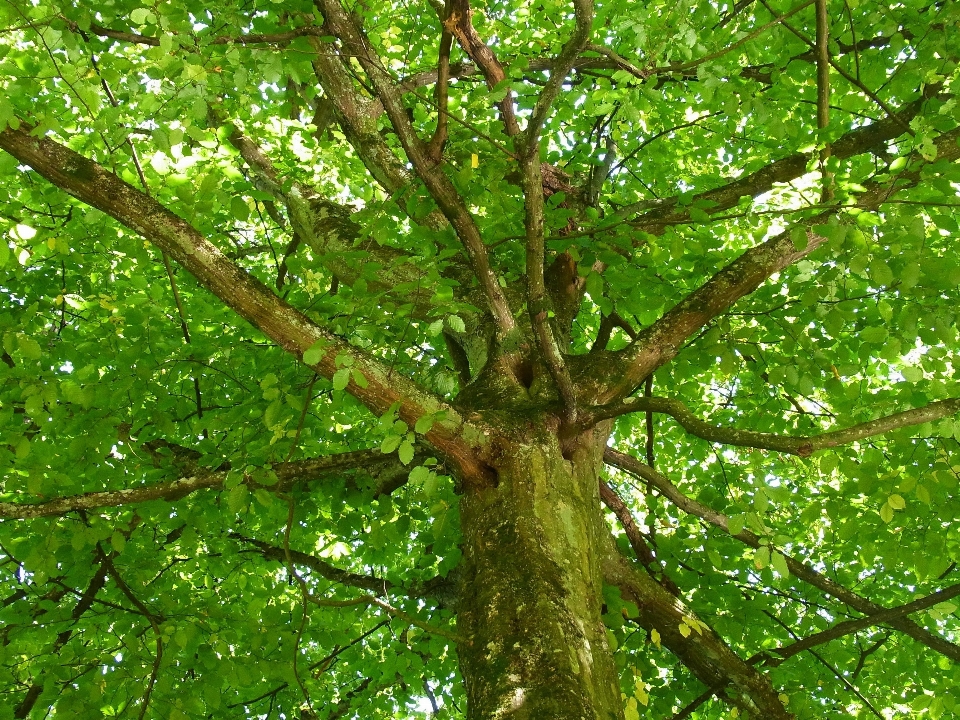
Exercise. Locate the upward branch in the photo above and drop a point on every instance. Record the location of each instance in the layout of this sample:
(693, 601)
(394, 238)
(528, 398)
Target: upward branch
(659, 343)
(378, 388)
(417, 151)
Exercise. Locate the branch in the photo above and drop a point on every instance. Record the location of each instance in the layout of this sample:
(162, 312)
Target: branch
(441, 188)
(458, 21)
(83, 604)
(640, 547)
(660, 342)
(855, 142)
(702, 651)
(852, 626)
(248, 39)
(797, 569)
(288, 475)
(583, 17)
(803, 446)
(378, 387)
(378, 586)
(437, 587)
(328, 228)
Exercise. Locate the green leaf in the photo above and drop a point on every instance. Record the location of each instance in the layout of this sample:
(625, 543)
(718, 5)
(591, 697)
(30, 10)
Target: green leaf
(341, 378)
(390, 443)
(798, 236)
(29, 347)
(240, 209)
(405, 452)
(455, 323)
(423, 425)
(761, 558)
(897, 502)
(735, 524)
(419, 474)
(779, 563)
(314, 354)
(886, 513)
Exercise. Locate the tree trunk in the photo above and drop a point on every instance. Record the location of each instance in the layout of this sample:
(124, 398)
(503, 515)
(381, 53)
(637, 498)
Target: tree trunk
(531, 587)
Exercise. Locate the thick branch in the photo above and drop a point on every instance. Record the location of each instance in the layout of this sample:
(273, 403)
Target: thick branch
(702, 651)
(660, 342)
(802, 445)
(797, 569)
(379, 388)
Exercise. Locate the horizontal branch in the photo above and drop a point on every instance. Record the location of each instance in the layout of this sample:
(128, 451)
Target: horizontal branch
(797, 569)
(438, 587)
(372, 381)
(849, 627)
(797, 445)
(153, 41)
(288, 474)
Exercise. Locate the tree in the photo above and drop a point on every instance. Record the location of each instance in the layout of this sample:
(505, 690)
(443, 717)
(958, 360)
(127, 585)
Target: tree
(539, 360)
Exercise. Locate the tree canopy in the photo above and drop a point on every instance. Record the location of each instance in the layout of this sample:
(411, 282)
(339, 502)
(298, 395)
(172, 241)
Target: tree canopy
(534, 359)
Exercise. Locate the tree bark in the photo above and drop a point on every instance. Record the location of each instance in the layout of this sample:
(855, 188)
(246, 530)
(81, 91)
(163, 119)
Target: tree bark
(531, 586)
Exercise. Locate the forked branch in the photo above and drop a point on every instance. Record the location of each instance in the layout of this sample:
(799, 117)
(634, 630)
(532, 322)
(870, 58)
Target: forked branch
(440, 187)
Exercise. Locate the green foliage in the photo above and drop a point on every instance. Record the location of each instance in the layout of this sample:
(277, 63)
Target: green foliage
(120, 373)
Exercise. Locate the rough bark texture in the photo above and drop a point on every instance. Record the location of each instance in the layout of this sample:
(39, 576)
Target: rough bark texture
(531, 587)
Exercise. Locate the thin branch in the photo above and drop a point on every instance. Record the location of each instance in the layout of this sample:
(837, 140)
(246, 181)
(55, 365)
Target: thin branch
(823, 95)
(742, 41)
(796, 568)
(370, 583)
(795, 445)
(905, 127)
(441, 188)
(154, 619)
(288, 474)
(849, 627)
(640, 547)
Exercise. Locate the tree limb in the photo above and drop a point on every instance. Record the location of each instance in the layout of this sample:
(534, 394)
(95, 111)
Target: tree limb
(797, 445)
(702, 651)
(379, 388)
(458, 21)
(797, 569)
(849, 627)
(660, 342)
(437, 183)
(386, 469)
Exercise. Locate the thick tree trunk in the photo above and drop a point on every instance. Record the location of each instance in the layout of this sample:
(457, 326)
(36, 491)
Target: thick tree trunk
(531, 590)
